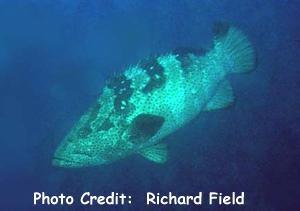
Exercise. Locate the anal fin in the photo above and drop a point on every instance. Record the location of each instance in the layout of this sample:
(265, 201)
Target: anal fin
(223, 98)
(157, 153)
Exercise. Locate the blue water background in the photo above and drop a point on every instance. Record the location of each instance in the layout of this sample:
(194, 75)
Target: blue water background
(56, 55)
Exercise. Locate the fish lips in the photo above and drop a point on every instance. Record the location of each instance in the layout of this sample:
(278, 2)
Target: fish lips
(73, 161)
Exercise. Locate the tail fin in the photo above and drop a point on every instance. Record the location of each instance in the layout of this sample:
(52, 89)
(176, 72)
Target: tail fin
(234, 48)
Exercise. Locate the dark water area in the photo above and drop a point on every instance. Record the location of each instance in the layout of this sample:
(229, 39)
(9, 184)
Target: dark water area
(55, 57)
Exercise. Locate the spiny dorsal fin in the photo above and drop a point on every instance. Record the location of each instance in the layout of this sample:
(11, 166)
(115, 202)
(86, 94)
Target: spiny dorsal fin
(223, 97)
(157, 153)
(183, 51)
(220, 29)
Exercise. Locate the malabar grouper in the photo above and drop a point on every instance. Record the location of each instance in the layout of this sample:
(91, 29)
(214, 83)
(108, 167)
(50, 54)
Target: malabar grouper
(152, 99)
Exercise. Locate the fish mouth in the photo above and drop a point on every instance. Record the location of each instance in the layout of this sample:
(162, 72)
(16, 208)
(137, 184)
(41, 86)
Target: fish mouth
(63, 162)
(68, 162)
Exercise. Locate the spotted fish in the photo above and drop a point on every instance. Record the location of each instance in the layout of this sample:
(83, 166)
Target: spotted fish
(152, 99)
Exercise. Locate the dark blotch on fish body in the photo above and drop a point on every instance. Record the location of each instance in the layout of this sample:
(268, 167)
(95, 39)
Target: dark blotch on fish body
(84, 131)
(183, 55)
(122, 90)
(106, 125)
(156, 73)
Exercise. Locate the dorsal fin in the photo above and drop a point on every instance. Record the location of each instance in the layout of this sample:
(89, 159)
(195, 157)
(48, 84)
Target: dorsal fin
(182, 51)
(220, 29)
(183, 55)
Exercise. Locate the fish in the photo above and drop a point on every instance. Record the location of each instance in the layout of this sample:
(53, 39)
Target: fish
(139, 107)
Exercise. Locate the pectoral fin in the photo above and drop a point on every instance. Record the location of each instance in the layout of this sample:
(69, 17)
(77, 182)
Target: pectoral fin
(157, 153)
(223, 97)
(145, 126)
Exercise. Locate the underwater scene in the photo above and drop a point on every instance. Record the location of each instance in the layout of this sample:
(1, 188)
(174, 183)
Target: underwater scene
(150, 105)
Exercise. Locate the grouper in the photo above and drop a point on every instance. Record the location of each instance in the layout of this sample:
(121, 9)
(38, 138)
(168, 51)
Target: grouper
(150, 100)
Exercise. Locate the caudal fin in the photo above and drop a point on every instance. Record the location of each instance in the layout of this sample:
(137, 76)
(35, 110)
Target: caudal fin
(234, 48)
